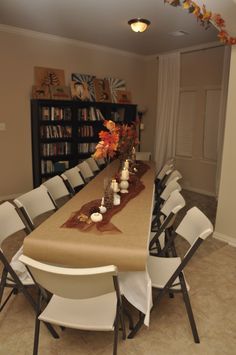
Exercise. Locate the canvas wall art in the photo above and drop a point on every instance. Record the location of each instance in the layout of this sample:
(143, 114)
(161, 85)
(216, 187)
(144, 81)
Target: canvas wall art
(49, 76)
(82, 87)
(60, 93)
(41, 92)
(102, 90)
(123, 97)
(115, 86)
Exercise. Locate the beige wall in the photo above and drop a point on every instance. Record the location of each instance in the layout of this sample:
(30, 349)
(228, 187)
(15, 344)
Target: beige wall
(226, 215)
(19, 54)
(150, 94)
(200, 70)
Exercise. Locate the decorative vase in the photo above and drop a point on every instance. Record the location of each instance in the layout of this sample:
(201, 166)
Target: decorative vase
(124, 184)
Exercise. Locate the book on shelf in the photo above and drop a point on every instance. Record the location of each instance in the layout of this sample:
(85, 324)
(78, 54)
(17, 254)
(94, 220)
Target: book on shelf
(85, 131)
(54, 149)
(90, 114)
(84, 148)
(55, 131)
(56, 113)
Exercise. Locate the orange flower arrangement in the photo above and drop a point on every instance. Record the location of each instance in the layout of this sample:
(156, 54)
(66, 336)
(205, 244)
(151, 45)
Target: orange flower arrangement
(116, 139)
(205, 17)
(107, 146)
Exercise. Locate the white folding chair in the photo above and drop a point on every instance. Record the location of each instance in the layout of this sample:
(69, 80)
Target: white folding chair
(164, 222)
(34, 203)
(85, 171)
(174, 176)
(162, 177)
(14, 274)
(101, 162)
(93, 165)
(143, 156)
(87, 299)
(57, 188)
(73, 179)
(167, 273)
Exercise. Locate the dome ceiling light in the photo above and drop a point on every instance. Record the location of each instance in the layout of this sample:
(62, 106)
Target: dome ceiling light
(139, 24)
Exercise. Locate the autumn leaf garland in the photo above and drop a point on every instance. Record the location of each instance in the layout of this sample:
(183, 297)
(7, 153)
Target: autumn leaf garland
(205, 17)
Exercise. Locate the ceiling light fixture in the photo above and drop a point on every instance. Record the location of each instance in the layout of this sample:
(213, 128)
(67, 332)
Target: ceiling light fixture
(139, 24)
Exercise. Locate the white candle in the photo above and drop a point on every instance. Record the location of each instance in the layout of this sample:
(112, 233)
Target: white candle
(125, 174)
(126, 164)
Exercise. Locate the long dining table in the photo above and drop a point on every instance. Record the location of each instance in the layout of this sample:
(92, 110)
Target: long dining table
(126, 246)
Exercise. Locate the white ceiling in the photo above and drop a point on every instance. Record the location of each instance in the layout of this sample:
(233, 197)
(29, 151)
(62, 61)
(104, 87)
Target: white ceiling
(104, 22)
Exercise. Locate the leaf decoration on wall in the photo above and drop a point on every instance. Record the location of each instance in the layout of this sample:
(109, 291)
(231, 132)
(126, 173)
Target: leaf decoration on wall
(85, 85)
(116, 85)
(205, 17)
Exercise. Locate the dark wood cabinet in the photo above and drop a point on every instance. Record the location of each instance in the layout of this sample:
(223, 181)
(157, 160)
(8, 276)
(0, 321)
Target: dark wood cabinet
(66, 132)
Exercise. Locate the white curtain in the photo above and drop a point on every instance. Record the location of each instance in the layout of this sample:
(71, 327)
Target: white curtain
(167, 107)
(222, 113)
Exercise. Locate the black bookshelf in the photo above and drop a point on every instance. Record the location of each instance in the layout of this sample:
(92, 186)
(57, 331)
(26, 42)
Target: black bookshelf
(66, 132)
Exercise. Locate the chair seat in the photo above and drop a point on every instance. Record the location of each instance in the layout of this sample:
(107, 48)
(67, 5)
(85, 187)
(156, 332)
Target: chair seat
(96, 313)
(160, 270)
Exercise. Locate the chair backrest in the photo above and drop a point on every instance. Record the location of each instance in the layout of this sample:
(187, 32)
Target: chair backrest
(101, 162)
(175, 175)
(173, 204)
(165, 171)
(92, 164)
(172, 186)
(10, 221)
(34, 203)
(194, 225)
(143, 155)
(56, 187)
(74, 177)
(85, 170)
(73, 283)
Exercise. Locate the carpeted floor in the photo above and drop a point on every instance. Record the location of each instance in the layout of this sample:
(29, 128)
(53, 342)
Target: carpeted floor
(211, 276)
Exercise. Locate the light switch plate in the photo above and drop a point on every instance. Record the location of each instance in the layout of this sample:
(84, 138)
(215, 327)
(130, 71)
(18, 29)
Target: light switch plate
(2, 126)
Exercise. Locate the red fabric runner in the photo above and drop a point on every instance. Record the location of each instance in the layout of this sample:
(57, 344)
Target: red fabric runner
(80, 219)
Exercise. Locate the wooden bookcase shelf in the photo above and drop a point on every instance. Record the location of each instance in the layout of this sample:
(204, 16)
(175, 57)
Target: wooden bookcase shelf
(66, 132)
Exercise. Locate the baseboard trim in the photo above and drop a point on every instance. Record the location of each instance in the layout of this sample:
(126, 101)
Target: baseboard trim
(225, 238)
(10, 197)
(199, 191)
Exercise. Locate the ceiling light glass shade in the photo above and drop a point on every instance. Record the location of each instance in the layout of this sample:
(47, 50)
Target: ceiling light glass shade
(139, 24)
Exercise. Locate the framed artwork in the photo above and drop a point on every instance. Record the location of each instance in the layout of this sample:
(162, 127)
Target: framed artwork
(82, 87)
(115, 86)
(102, 90)
(124, 97)
(49, 76)
(41, 92)
(60, 93)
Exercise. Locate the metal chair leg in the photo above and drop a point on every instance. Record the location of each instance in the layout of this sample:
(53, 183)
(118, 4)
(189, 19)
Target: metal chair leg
(36, 336)
(138, 325)
(189, 310)
(116, 334)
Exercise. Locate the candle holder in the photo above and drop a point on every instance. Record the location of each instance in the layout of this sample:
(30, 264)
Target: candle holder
(124, 184)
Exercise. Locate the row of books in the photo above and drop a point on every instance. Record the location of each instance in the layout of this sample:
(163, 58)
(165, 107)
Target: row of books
(48, 166)
(117, 116)
(56, 113)
(86, 147)
(62, 148)
(55, 131)
(90, 114)
(85, 131)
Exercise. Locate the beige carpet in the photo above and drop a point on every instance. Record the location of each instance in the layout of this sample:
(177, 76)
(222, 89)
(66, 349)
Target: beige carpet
(212, 278)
